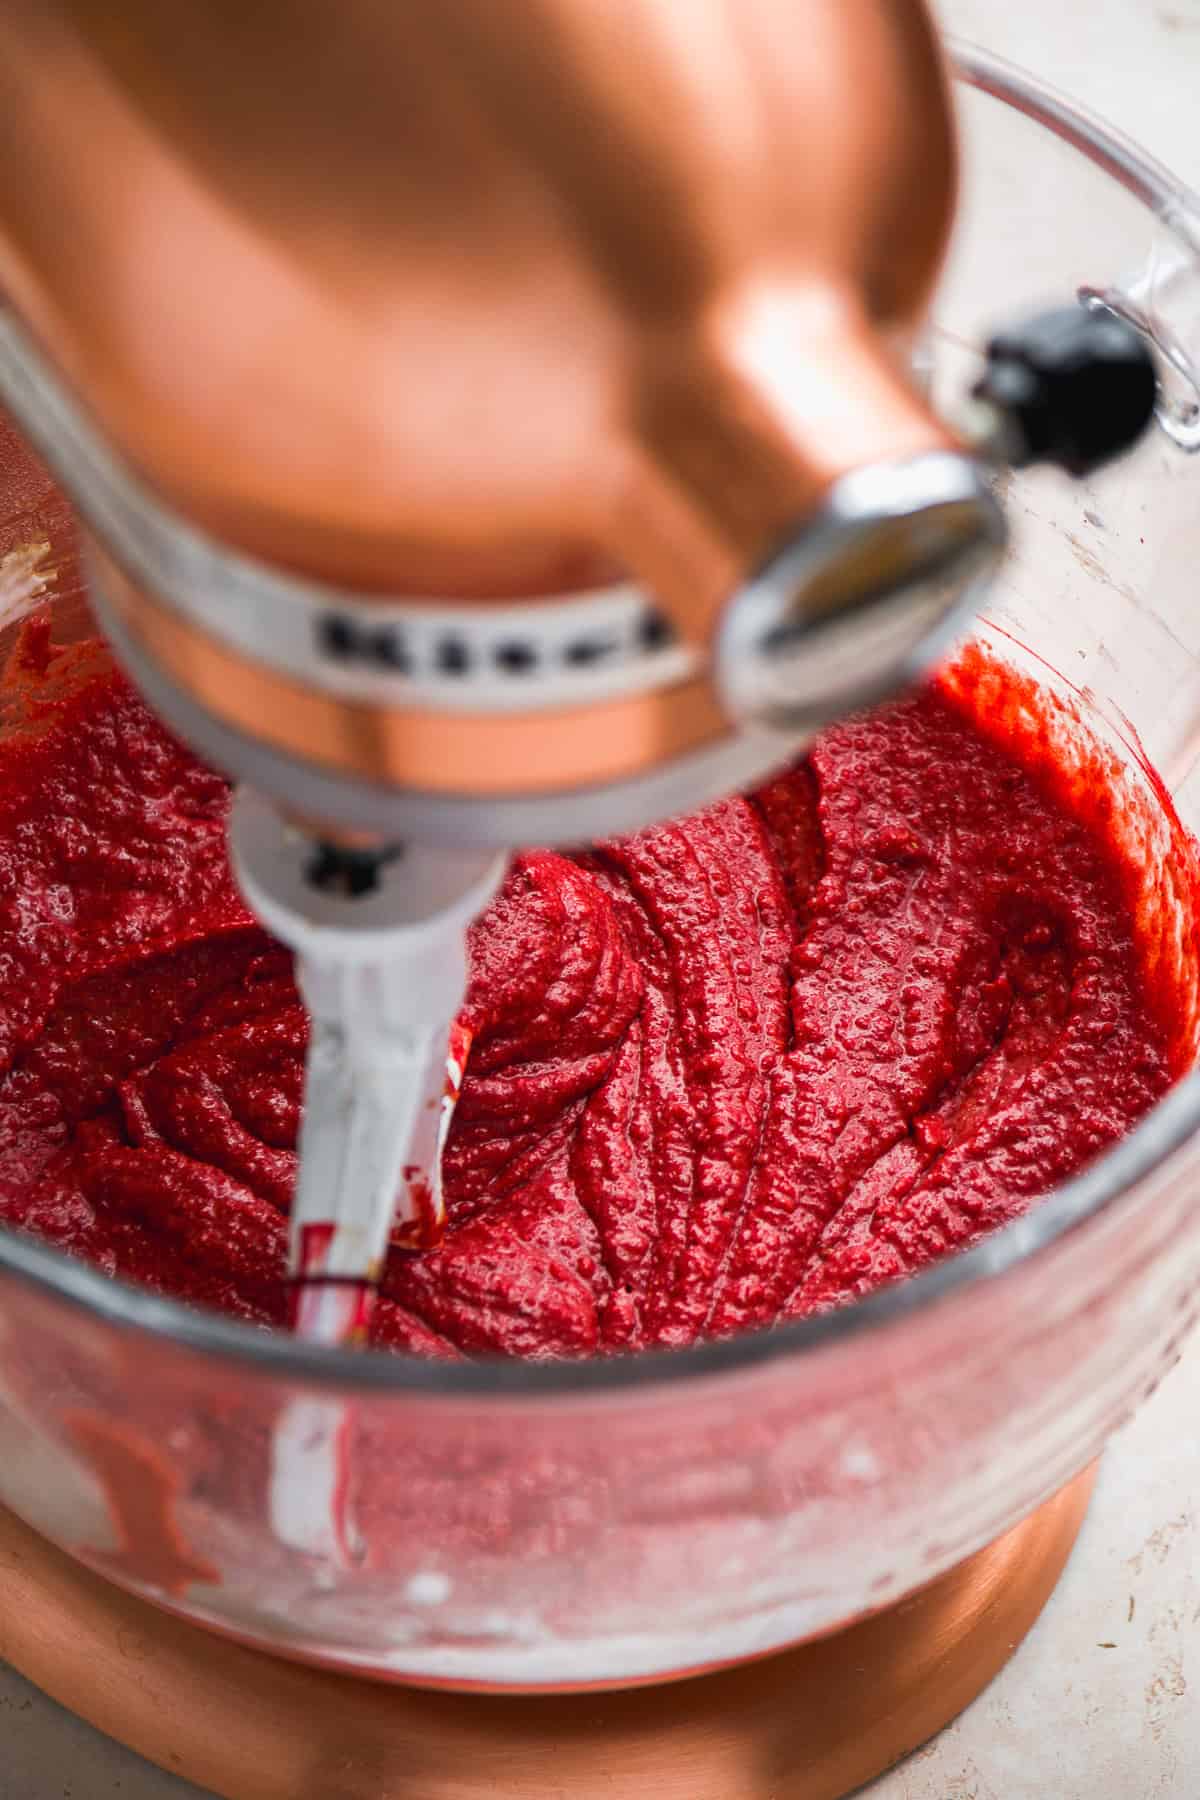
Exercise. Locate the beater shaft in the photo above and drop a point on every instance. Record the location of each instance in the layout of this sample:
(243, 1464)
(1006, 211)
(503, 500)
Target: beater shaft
(380, 942)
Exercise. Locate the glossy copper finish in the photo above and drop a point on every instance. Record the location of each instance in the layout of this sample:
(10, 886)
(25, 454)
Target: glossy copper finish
(458, 298)
(808, 1724)
(442, 753)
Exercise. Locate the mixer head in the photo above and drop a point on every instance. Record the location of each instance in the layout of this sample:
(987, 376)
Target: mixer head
(493, 424)
(489, 388)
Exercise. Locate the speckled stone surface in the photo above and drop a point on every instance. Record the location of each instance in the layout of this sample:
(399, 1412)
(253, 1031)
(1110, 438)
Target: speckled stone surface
(1096, 1704)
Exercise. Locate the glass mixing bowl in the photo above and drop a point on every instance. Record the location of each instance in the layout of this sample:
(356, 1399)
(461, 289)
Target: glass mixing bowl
(543, 1525)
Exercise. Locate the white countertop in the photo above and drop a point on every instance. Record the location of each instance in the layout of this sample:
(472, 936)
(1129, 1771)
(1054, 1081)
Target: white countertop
(1095, 1705)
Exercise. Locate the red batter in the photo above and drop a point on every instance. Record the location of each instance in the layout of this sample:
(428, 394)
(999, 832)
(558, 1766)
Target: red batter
(733, 1070)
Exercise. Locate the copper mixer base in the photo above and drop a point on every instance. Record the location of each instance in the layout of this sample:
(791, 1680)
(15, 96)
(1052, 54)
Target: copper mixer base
(812, 1723)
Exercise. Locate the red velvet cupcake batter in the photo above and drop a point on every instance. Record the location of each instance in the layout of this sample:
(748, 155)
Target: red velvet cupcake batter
(735, 1069)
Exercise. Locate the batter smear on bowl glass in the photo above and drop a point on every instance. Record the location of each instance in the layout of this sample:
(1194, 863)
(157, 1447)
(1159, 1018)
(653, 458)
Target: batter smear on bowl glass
(736, 1069)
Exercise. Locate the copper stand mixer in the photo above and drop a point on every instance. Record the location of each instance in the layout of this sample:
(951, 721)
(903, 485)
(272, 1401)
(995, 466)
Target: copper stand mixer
(595, 327)
(496, 426)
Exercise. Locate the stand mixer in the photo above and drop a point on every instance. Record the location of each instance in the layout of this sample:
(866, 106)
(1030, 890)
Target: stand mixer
(490, 432)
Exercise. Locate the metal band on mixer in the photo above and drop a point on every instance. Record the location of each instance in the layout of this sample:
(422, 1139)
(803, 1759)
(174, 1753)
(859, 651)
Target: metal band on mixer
(560, 813)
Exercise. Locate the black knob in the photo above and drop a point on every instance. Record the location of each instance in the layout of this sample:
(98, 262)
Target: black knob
(351, 871)
(1075, 386)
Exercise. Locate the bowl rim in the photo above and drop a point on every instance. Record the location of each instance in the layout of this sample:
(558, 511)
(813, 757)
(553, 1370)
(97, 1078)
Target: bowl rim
(1164, 1130)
